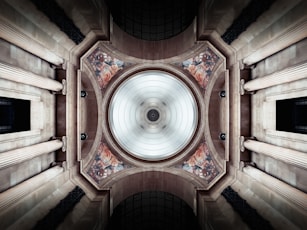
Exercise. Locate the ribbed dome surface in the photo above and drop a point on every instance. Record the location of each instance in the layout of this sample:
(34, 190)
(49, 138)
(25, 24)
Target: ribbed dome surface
(153, 115)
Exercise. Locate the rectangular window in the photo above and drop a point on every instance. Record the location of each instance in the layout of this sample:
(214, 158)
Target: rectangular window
(14, 115)
(291, 115)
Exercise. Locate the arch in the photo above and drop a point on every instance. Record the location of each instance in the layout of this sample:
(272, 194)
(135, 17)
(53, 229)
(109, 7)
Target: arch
(153, 210)
(170, 180)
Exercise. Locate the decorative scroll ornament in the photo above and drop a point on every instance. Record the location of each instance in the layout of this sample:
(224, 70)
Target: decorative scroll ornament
(104, 65)
(104, 164)
(201, 164)
(201, 66)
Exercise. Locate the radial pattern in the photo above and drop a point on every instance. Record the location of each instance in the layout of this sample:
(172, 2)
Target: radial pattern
(153, 115)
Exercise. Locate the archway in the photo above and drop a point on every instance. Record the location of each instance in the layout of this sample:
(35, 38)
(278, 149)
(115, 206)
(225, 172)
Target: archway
(153, 210)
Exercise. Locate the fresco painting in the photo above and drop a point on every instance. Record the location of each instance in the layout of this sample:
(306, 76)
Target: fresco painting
(104, 65)
(104, 164)
(201, 164)
(201, 66)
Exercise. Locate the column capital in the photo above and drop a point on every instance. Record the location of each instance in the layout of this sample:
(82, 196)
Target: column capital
(244, 164)
(242, 89)
(64, 89)
(64, 141)
(242, 139)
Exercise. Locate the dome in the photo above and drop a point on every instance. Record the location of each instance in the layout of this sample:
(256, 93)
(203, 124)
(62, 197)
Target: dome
(153, 115)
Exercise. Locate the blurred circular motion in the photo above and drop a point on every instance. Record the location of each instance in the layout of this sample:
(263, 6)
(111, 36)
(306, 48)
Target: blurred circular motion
(153, 115)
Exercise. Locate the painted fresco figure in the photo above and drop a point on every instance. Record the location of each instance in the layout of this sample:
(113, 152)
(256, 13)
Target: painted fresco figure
(105, 163)
(105, 66)
(201, 163)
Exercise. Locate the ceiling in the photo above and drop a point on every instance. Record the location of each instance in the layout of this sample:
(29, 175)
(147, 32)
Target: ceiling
(153, 20)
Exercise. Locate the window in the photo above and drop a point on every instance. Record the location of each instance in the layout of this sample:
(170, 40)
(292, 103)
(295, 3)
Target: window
(291, 115)
(14, 115)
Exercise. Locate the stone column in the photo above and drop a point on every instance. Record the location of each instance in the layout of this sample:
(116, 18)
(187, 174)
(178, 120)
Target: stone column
(17, 156)
(287, 75)
(19, 75)
(291, 36)
(290, 193)
(13, 195)
(288, 156)
(12, 34)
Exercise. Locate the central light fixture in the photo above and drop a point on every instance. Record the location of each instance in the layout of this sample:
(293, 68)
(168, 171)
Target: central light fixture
(153, 115)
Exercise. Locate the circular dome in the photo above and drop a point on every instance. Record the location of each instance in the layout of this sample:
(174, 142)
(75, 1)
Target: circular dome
(153, 115)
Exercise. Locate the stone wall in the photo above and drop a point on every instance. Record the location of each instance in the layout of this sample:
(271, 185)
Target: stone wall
(264, 114)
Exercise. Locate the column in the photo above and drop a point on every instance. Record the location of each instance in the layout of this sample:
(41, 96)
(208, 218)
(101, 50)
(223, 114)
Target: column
(19, 75)
(12, 195)
(287, 75)
(290, 193)
(17, 156)
(288, 156)
(295, 34)
(15, 36)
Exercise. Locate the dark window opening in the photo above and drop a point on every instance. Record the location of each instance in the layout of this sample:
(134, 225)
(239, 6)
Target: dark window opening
(153, 210)
(291, 115)
(14, 115)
